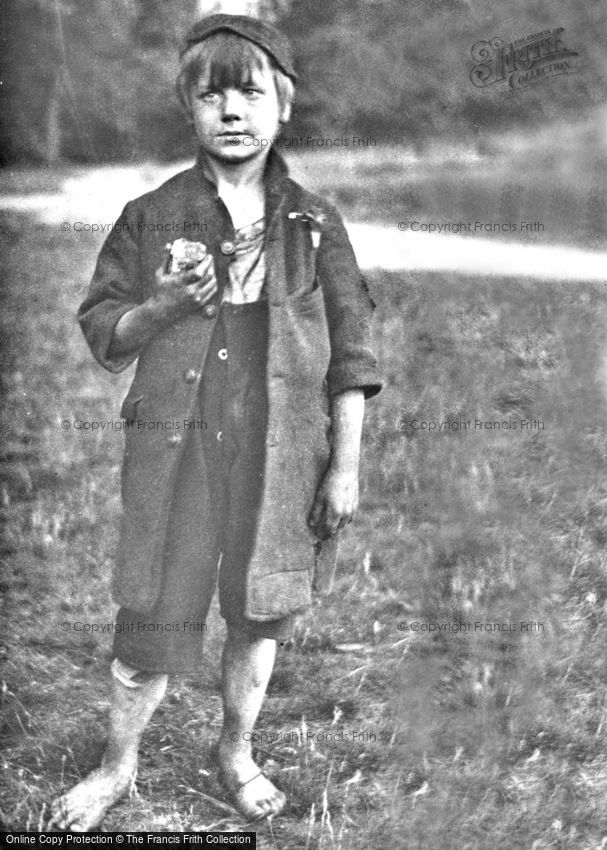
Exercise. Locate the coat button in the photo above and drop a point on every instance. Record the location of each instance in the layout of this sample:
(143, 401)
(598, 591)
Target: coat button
(227, 247)
(210, 311)
(190, 376)
(223, 353)
(174, 439)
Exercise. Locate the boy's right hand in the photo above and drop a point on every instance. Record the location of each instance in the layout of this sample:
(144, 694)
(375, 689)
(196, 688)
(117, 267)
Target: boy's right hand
(174, 296)
(179, 293)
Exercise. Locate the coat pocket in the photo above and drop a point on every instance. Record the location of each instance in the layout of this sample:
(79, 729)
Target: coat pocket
(128, 411)
(302, 302)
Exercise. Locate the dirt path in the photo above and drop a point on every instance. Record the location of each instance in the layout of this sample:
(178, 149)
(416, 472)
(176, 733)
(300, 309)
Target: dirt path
(385, 247)
(95, 198)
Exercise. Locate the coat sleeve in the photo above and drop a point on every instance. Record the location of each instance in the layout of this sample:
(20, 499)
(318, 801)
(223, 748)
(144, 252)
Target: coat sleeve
(114, 290)
(349, 308)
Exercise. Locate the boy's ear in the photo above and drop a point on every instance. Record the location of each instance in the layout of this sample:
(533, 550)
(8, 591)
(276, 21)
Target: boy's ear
(285, 113)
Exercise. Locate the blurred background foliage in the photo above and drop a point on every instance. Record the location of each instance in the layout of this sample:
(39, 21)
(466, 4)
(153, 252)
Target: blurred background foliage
(94, 82)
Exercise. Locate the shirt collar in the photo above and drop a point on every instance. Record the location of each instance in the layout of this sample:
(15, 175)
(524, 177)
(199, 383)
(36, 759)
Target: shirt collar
(275, 172)
(275, 178)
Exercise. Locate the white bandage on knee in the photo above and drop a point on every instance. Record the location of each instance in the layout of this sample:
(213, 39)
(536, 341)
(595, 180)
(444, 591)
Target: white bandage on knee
(125, 674)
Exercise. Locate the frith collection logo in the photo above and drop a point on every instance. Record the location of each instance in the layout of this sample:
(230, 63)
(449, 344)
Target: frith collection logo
(522, 62)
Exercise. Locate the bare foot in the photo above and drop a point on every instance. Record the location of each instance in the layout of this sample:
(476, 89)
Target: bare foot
(253, 794)
(84, 806)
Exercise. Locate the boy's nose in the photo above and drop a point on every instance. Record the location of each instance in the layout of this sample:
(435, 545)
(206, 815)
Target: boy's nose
(232, 105)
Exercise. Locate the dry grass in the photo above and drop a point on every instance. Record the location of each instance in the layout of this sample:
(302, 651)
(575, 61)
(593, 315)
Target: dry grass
(493, 739)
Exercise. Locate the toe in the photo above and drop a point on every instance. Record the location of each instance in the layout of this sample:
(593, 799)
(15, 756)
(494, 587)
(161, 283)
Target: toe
(257, 798)
(278, 803)
(58, 814)
(260, 814)
(65, 821)
(80, 826)
(57, 806)
(266, 807)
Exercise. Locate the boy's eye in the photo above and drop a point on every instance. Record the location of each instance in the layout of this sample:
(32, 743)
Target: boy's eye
(212, 96)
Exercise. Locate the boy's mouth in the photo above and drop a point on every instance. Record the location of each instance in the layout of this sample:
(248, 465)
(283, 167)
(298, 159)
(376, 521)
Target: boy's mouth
(234, 137)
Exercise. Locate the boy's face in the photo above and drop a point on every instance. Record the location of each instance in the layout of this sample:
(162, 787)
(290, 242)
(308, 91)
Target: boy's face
(237, 124)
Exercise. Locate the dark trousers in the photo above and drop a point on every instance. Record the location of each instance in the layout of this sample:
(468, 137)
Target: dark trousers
(213, 516)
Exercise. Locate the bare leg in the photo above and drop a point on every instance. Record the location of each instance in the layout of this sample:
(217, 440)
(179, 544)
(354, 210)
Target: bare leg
(247, 666)
(84, 806)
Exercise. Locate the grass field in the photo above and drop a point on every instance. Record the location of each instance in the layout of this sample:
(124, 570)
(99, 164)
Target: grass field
(479, 737)
(554, 178)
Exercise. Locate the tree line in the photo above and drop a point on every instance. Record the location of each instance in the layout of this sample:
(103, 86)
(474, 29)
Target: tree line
(94, 81)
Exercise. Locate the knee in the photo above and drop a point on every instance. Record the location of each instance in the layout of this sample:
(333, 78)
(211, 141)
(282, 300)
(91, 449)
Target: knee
(131, 677)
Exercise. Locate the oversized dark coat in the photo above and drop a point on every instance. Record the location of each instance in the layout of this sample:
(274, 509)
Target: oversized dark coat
(319, 321)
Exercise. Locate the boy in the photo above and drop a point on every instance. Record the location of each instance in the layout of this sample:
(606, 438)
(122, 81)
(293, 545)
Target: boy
(260, 343)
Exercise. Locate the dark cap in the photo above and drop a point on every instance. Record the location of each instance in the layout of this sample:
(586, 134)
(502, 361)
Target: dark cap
(260, 33)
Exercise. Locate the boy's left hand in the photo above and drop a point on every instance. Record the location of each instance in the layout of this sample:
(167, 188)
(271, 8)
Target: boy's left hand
(335, 503)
